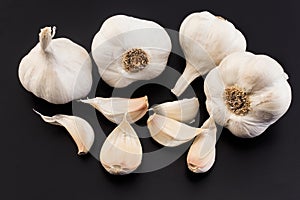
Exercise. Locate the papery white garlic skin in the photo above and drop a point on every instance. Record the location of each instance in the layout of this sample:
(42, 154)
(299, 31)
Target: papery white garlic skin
(202, 153)
(265, 85)
(57, 70)
(120, 34)
(205, 40)
(121, 152)
(169, 132)
(115, 108)
(80, 130)
(184, 110)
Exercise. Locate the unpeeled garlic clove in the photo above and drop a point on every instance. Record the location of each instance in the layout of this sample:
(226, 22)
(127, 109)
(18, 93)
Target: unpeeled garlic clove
(170, 132)
(201, 155)
(184, 110)
(114, 108)
(121, 152)
(205, 40)
(80, 130)
(57, 70)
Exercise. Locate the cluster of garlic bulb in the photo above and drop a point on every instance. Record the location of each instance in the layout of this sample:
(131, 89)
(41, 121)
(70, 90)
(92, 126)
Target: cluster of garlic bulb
(246, 93)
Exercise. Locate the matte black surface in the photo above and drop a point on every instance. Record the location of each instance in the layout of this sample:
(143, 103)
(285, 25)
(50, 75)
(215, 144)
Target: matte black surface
(40, 160)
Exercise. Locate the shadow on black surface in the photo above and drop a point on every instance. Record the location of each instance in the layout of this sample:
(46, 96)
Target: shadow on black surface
(249, 144)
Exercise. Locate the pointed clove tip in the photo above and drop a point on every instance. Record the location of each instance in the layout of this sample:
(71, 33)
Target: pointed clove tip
(36, 112)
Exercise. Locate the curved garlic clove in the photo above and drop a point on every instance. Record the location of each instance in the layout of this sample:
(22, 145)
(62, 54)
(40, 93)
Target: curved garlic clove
(128, 49)
(57, 70)
(114, 108)
(80, 130)
(184, 110)
(201, 155)
(205, 40)
(170, 132)
(121, 152)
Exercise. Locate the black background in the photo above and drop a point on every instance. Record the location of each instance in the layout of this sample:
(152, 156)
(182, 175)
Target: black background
(39, 160)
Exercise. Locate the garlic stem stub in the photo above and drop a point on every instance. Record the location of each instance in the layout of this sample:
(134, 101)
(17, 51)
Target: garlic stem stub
(115, 108)
(121, 152)
(202, 153)
(80, 130)
(169, 132)
(247, 93)
(57, 70)
(184, 110)
(205, 40)
(128, 49)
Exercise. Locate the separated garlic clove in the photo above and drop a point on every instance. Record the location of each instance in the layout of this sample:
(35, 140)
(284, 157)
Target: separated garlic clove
(80, 130)
(57, 70)
(184, 110)
(205, 40)
(127, 49)
(169, 132)
(201, 155)
(115, 108)
(247, 93)
(121, 152)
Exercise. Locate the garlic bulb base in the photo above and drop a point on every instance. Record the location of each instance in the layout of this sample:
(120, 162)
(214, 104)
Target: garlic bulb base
(237, 100)
(135, 60)
(189, 74)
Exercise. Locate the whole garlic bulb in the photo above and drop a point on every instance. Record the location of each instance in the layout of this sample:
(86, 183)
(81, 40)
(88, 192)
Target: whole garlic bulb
(205, 40)
(247, 93)
(127, 49)
(57, 70)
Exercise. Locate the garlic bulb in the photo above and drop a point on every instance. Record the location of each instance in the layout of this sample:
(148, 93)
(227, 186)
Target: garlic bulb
(201, 155)
(115, 108)
(184, 110)
(121, 152)
(247, 93)
(127, 49)
(80, 130)
(205, 40)
(169, 132)
(57, 70)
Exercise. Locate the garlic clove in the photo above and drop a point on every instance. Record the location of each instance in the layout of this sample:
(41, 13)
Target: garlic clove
(205, 40)
(184, 110)
(80, 130)
(201, 155)
(128, 49)
(114, 108)
(57, 70)
(121, 152)
(169, 132)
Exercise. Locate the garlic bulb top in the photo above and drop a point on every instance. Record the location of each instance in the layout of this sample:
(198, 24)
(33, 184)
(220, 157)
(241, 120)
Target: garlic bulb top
(57, 70)
(127, 49)
(247, 93)
(205, 40)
